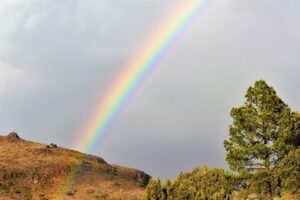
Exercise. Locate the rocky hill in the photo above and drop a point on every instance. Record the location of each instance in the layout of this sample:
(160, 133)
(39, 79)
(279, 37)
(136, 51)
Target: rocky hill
(30, 170)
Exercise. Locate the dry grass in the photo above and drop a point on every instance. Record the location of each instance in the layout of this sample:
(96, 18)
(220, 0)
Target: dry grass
(31, 170)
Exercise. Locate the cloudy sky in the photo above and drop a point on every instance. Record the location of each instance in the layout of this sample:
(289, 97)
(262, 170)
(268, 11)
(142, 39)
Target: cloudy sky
(57, 57)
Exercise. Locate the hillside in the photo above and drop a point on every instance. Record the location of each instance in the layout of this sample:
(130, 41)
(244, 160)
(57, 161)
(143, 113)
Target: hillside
(30, 170)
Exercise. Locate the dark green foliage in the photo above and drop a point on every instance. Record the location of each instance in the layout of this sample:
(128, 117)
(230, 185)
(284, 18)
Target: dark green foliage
(294, 138)
(200, 184)
(263, 153)
(263, 132)
(289, 172)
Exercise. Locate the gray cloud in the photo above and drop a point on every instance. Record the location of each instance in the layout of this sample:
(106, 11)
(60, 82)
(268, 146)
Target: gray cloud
(64, 54)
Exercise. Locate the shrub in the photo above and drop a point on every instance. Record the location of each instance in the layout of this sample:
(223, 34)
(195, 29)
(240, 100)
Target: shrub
(52, 145)
(70, 193)
(90, 191)
(201, 183)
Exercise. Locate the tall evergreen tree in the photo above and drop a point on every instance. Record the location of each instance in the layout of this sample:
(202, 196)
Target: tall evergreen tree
(257, 139)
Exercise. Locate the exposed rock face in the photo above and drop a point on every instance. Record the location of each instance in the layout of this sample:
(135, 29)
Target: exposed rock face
(12, 137)
(139, 176)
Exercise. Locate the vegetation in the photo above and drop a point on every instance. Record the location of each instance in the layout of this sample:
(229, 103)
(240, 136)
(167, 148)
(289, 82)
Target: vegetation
(289, 171)
(31, 170)
(263, 132)
(52, 146)
(262, 152)
(201, 183)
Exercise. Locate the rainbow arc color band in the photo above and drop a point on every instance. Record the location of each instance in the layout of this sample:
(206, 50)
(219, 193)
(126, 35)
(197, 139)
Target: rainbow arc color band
(137, 70)
(122, 88)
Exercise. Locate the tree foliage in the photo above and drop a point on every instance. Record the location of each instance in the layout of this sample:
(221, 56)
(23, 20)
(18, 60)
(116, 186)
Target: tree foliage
(289, 171)
(154, 190)
(200, 184)
(262, 133)
(263, 153)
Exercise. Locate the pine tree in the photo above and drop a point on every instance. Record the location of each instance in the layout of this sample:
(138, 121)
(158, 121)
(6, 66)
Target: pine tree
(257, 139)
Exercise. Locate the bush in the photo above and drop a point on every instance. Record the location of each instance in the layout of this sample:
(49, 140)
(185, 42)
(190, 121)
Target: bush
(17, 192)
(70, 193)
(52, 145)
(90, 191)
(101, 196)
(201, 183)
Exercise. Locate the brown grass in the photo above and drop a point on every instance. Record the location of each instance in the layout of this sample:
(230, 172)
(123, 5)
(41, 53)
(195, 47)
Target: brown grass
(31, 170)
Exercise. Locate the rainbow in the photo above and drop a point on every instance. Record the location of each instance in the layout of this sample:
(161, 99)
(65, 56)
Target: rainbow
(136, 71)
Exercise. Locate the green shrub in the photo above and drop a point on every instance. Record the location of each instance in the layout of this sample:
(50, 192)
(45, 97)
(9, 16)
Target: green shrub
(201, 184)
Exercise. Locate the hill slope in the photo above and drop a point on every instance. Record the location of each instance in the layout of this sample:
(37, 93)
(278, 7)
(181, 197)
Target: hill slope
(31, 170)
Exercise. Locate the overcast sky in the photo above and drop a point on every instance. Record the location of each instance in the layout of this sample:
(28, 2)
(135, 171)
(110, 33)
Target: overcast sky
(57, 57)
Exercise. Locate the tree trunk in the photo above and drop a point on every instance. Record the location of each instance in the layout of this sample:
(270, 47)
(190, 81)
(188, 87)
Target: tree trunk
(269, 190)
(267, 168)
(270, 195)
